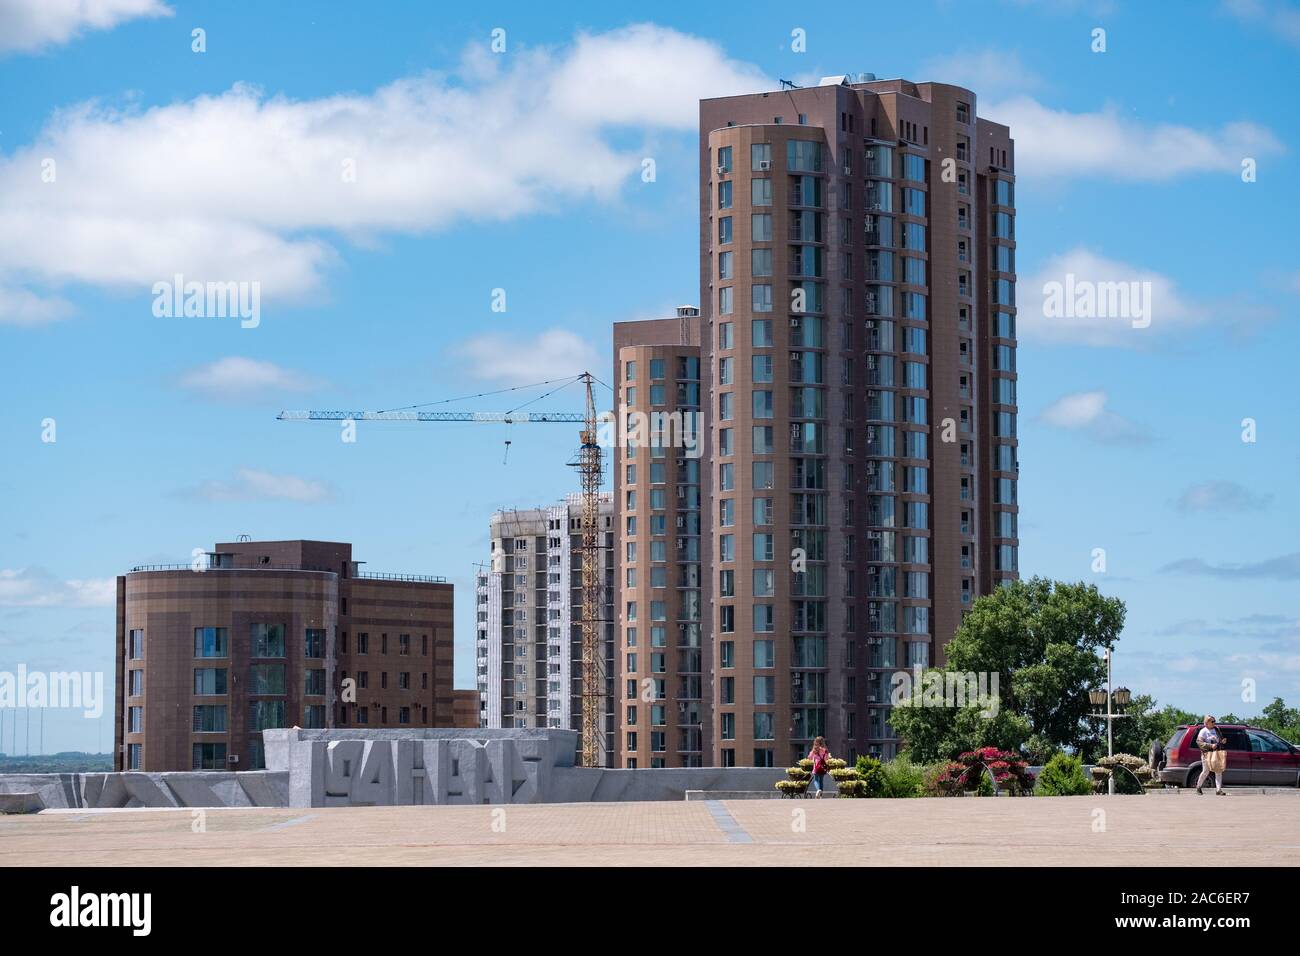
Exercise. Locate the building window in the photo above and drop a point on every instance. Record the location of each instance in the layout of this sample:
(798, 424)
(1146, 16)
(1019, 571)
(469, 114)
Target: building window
(137, 644)
(267, 714)
(314, 643)
(209, 757)
(267, 679)
(209, 719)
(266, 640)
(135, 720)
(212, 642)
(135, 683)
(209, 681)
(134, 754)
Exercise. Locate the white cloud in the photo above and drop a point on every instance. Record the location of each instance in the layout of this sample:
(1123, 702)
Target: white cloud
(235, 378)
(1221, 496)
(1275, 16)
(250, 484)
(27, 25)
(1058, 143)
(1087, 414)
(988, 73)
(1167, 309)
(36, 587)
(242, 186)
(23, 307)
(500, 358)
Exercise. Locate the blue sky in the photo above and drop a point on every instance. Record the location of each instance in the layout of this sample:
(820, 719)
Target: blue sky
(520, 170)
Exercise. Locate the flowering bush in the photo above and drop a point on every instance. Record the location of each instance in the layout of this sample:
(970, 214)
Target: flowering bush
(1131, 774)
(1008, 770)
(945, 779)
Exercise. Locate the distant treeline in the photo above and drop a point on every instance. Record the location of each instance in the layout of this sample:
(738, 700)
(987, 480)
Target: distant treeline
(70, 761)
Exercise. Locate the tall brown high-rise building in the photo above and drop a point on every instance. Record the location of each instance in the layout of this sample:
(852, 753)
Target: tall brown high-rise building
(660, 545)
(857, 374)
(265, 634)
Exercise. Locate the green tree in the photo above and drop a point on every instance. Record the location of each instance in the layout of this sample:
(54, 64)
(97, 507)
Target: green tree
(1281, 719)
(940, 733)
(1133, 735)
(1041, 638)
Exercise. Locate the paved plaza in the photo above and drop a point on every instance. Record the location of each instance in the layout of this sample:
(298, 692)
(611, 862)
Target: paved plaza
(1247, 828)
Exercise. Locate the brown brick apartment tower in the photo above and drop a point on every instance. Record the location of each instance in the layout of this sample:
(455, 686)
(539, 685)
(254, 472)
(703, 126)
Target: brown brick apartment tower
(263, 637)
(857, 273)
(661, 551)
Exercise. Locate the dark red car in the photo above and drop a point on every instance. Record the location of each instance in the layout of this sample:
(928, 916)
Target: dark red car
(1256, 757)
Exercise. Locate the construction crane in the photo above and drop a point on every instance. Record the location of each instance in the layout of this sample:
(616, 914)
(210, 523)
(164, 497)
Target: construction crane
(588, 463)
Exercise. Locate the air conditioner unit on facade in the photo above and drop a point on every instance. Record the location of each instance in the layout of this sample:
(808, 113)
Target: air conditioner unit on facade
(764, 164)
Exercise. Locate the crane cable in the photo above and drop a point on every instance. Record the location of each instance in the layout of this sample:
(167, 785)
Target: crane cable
(465, 398)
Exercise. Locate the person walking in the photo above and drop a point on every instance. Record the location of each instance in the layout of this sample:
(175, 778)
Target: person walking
(1214, 758)
(819, 756)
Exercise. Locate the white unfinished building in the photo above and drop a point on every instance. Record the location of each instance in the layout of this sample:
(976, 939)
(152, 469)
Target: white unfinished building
(529, 619)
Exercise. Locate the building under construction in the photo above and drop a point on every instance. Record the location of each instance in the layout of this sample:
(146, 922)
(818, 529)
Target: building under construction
(529, 615)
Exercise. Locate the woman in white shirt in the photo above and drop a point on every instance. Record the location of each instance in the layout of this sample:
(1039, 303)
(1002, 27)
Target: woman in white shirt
(1214, 759)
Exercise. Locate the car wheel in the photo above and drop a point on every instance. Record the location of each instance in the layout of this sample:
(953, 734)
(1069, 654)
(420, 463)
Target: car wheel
(1192, 776)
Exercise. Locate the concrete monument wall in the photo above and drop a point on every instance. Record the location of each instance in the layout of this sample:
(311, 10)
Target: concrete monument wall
(416, 766)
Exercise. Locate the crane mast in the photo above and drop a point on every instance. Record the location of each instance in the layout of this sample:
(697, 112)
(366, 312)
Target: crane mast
(593, 656)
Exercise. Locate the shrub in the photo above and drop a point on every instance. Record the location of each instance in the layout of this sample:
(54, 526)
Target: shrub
(902, 778)
(1064, 777)
(872, 776)
(852, 787)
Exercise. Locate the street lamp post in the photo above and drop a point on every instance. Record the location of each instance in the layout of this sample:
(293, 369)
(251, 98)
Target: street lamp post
(1112, 697)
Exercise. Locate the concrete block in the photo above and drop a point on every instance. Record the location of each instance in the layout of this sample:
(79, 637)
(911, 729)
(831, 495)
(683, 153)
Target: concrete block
(22, 801)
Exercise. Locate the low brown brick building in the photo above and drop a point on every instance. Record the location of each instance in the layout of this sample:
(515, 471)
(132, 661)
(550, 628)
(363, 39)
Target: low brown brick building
(465, 709)
(264, 634)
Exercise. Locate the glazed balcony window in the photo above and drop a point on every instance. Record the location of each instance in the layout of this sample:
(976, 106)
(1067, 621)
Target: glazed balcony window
(803, 156)
(725, 270)
(760, 156)
(760, 192)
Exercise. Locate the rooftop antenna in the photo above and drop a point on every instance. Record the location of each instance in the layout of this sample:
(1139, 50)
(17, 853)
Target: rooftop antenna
(789, 85)
(243, 537)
